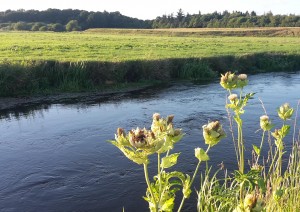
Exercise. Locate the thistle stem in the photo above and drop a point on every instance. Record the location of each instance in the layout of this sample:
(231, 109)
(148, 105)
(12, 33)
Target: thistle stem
(149, 186)
(193, 178)
(241, 147)
(159, 176)
(260, 147)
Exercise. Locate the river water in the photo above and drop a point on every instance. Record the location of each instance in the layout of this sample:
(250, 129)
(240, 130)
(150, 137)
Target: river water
(56, 158)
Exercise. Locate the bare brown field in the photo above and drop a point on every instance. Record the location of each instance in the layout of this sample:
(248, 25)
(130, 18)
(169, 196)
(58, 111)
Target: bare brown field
(251, 32)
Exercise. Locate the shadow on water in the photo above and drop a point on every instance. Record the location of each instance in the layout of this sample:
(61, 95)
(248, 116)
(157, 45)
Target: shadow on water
(32, 108)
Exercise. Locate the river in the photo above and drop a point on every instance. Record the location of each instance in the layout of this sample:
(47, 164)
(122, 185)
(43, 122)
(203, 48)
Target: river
(55, 157)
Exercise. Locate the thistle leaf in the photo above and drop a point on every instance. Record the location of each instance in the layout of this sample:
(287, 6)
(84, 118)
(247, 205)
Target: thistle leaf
(201, 154)
(168, 205)
(256, 149)
(169, 161)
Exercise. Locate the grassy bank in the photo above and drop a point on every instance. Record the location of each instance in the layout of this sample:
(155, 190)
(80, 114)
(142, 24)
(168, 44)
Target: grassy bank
(33, 77)
(33, 63)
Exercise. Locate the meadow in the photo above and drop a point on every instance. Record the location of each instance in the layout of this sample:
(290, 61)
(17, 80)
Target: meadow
(43, 62)
(116, 45)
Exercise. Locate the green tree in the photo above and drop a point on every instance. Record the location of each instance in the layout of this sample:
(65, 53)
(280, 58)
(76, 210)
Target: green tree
(43, 28)
(72, 26)
(20, 26)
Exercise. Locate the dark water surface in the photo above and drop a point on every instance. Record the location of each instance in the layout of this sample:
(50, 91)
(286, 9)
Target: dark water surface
(56, 158)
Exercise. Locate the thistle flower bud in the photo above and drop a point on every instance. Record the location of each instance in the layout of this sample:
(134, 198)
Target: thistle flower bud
(120, 132)
(170, 119)
(276, 134)
(232, 97)
(265, 123)
(140, 138)
(242, 81)
(285, 111)
(242, 77)
(229, 81)
(213, 133)
(156, 116)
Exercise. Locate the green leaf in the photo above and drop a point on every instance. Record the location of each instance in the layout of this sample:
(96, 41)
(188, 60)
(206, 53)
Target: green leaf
(261, 184)
(285, 130)
(169, 161)
(256, 149)
(168, 205)
(201, 154)
(186, 190)
(136, 156)
(167, 145)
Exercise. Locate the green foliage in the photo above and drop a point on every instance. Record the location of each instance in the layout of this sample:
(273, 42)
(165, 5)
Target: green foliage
(235, 19)
(72, 26)
(106, 19)
(138, 144)
(201, 154)
(169, 160)
(196, 70)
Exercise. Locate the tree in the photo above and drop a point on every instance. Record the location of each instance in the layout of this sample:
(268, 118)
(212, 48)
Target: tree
(180, 14)
(72, 26)
(20, 26)
(56, 27)
(36, 26)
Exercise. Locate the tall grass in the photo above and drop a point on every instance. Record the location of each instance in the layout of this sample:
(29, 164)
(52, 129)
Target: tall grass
(36, 77)
(268, 185)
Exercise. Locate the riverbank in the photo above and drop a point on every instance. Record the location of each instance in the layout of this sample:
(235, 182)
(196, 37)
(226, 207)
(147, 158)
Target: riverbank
(11, 103)
(36, 63)
(31, 78)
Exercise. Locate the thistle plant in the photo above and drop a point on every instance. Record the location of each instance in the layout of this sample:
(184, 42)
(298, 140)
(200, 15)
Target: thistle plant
(230, 82)
(285, 112)
(266, 125)
(262, 188)
(138, 144)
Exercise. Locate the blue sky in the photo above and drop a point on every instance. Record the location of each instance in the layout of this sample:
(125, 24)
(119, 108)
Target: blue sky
(152, 8)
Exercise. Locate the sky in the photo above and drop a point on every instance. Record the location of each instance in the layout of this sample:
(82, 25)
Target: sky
(150, 9)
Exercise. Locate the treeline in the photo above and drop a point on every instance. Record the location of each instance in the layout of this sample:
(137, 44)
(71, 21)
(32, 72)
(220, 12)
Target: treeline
(226, 19)
(66, 20)
(75, 20)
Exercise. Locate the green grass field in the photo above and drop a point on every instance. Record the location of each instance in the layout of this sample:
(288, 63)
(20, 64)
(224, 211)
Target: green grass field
(45, 62)
(116, 47)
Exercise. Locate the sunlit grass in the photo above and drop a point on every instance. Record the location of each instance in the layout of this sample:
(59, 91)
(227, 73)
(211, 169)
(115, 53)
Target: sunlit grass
(17, 46)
